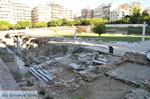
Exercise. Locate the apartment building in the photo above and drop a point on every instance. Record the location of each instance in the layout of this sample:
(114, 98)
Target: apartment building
(87, 13)
(41, 13)
(14, 11)
(127, 7)
(97, 12)
(147, 10)
(117, 14)
(60, 12)
(136, 4)
(21, 12)
(106, 11)
(102, 11)
(6, 11)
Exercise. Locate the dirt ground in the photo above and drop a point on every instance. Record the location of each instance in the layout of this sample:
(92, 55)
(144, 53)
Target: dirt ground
(102, 88)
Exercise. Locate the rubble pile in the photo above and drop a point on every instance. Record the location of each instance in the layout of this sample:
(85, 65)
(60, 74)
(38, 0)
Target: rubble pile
(138, 94)
(136, 57)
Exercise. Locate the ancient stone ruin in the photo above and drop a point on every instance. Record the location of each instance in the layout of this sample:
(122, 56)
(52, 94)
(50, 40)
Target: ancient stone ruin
(66, 70)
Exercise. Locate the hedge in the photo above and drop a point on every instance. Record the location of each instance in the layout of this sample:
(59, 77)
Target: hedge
(138, 30)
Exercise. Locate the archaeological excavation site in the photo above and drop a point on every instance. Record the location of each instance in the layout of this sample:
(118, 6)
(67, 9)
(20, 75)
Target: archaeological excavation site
(63, 68)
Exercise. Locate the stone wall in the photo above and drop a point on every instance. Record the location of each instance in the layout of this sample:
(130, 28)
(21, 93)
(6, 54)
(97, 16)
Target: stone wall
(7, 81)
(10, 60)
(135, 57)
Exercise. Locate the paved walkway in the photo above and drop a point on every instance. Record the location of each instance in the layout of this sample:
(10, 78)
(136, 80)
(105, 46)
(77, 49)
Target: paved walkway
(119, 48)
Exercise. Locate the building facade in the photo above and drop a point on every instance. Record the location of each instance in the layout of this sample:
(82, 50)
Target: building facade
(136, 4)
(6, 11)
(127, 7)
(117, 14)
(60, 12)
(87, 13)
(41, 13)
(147, 10)
(14, 11)
(97, 12)
(102, 11)
(21, 12)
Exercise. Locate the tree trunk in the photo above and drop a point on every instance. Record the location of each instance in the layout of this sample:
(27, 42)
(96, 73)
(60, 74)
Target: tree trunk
(99, 34)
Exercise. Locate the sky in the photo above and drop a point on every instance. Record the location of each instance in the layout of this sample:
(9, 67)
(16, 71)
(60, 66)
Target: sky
(77, 5)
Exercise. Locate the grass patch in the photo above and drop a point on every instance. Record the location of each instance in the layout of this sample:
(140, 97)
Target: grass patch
(104, 37)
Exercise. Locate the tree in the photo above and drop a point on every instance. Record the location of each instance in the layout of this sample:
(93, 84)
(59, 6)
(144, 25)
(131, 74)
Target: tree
(126, 20)
(40, 25)
(70, 23)
(144, 13)
(77, 22)
(59, 22)
(87, 21)
(65, 21)
(28, 24)
(4, 25)
(101, 28)
(136, 11)
(23, 24)
(52, 23)
(55, 23)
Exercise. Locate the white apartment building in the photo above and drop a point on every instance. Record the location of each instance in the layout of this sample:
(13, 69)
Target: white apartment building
(60, 12)
(137, 5)
(14, 11)
(97, 12)
(6, 11)
(102, 11)
(117, 14)
(41, 13)
(21, 12)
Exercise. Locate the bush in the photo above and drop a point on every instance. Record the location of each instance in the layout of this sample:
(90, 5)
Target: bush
(42, 92)
(55, 23)
(93, 21)
(77, 98)
(101, 28)
(76, 22)
(4, 27)
(138, 30)
(40, 25)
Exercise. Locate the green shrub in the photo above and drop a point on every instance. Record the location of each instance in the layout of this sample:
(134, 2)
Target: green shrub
(77, 98)
(40, 25)
(138, 30)
(55, 23)
(4, 27)
(11, 26)
(23, 24)
(42, 92)
(76, 22)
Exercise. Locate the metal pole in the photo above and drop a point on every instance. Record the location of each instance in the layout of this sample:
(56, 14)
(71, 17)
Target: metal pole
(75, 33)
(144, 29)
